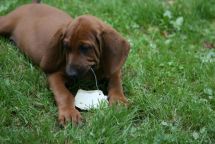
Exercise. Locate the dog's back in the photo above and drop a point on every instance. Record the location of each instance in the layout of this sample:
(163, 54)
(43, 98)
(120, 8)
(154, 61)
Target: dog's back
(33, 26)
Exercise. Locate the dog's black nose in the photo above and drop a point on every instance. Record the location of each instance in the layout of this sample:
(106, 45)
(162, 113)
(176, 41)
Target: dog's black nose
(72, 73)
(76, 71)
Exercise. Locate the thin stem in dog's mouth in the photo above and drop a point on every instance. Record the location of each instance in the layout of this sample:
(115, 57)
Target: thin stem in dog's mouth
(95, 77)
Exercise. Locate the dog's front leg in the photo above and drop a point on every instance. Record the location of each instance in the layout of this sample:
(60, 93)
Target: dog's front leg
(115, 90)
(64, 99)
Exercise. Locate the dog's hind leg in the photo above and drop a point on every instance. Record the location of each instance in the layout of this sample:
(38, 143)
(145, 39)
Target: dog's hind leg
(6, 25)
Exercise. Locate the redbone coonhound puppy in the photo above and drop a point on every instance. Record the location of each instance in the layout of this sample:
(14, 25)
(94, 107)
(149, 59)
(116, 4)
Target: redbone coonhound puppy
(64, 47)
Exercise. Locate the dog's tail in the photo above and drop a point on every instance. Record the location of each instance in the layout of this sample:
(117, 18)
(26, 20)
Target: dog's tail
(36, 1)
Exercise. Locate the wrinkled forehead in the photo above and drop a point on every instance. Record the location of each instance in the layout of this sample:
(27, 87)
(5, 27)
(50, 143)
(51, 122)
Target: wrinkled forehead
(81, 33)
(83, 27)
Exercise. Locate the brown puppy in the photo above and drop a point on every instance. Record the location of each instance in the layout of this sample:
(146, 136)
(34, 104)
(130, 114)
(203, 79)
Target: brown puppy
(65, 48)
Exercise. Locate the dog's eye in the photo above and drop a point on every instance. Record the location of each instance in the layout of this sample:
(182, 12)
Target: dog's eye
(85, 49)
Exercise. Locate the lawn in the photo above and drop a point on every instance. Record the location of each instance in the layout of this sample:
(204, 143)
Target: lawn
(169, 78)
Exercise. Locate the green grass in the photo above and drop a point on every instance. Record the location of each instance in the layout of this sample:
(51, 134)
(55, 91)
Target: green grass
(169, 78)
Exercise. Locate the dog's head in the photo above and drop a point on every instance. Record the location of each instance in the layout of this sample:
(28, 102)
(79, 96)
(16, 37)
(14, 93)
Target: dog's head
(89, 42)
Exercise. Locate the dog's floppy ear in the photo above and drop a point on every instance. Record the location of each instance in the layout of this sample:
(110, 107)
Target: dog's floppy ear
(115, 50)
(54, 54)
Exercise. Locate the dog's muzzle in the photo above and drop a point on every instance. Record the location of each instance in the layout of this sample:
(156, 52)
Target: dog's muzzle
(75, 72)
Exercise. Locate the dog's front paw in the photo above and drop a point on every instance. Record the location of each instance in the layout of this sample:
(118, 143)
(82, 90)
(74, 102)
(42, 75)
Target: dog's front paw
(118, 99)
(69, 114)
